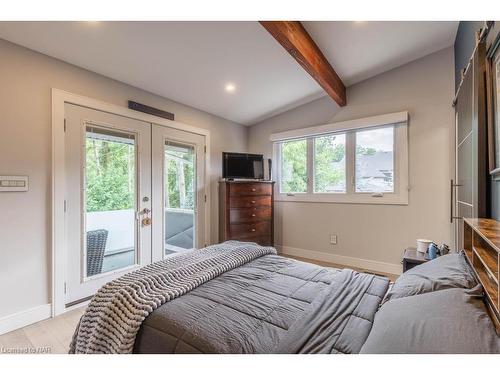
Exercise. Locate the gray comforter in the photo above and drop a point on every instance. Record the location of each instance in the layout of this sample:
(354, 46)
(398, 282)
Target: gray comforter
(269, 305)
(115, 314)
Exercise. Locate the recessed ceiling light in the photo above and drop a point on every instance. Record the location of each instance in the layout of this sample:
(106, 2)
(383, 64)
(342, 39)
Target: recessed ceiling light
(230, 87)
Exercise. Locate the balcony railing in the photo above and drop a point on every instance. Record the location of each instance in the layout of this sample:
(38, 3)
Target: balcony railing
(119, 251)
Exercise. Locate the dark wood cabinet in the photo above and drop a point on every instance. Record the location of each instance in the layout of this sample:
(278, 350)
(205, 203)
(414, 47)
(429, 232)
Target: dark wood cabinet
(412, 258)
(246, 210)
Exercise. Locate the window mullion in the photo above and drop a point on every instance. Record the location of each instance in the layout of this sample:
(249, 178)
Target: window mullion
(310, 165)
(277, 165)
(350, 162)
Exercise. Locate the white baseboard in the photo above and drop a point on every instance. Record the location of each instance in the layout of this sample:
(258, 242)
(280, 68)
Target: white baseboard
(24, 318)
(74, 307)
(371, 265)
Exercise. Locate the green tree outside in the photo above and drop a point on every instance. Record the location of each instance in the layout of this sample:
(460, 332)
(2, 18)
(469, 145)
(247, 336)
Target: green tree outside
(110, 175)
(329, 164)
(294, 166)
(180, 162)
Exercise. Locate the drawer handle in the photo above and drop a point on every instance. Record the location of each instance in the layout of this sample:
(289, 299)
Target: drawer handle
(253, 189)
(252, 230)
(253, 215)
(253, 202)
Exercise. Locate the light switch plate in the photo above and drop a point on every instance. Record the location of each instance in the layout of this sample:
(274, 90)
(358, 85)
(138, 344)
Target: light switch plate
(14, 183)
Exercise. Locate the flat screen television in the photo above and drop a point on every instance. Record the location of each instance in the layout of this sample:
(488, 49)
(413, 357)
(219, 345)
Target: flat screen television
(242, 166)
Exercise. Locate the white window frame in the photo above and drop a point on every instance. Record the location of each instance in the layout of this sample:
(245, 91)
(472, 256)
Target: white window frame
(400, 196)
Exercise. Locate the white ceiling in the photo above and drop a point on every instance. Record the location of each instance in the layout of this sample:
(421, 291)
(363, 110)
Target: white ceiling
(360, 50)
(191, 62)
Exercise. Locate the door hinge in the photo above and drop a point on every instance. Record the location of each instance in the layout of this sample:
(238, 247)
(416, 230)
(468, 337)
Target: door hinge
(65, 125)
(65, 205)
(205, 198)
(205, 148)
(65, 288)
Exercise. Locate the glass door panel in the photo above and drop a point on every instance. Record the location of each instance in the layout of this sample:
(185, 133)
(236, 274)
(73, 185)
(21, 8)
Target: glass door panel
(110, 200)
(180, 197)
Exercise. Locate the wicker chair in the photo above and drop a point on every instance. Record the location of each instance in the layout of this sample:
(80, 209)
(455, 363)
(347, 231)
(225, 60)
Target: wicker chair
(96, 243)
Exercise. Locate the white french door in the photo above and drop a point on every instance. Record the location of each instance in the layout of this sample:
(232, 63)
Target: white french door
(108, 198)
(134, 193)
(178, 164)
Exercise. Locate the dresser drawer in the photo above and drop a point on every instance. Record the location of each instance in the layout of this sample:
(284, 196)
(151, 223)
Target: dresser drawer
(260, 240)
(250, 189)
(245, 231)
(249, 215)
(250, 201)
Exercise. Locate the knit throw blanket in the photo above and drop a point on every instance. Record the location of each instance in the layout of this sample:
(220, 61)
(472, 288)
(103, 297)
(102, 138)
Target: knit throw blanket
(115, 314)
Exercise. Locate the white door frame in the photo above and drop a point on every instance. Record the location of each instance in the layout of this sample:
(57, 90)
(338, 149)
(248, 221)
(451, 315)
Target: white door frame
(59, 98)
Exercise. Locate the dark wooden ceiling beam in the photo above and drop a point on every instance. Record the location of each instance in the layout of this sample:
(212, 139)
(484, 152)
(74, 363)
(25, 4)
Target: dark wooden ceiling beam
(298, 43)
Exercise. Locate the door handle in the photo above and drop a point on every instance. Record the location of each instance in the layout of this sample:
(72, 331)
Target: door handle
(452, 190)
(146, 221)
(145, 211)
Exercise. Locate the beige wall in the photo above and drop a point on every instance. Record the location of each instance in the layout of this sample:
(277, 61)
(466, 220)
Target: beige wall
(26, 79)
(379, 232)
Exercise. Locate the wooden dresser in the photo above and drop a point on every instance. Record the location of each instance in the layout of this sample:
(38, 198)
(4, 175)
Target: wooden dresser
(482, 247)
(246, 211)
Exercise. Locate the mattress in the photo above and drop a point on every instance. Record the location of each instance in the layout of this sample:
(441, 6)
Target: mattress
(269, 305)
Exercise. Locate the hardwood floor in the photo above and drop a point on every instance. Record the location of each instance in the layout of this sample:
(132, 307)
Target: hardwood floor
(48, 336)
(390, 276)
(54, 335)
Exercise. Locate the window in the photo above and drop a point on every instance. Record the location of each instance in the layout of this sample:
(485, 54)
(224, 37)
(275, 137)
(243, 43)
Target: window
(294, 167)
(358, 161)
(329, 164)
(375, 160)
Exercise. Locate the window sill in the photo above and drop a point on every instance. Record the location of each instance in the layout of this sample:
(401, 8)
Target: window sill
(388, 199)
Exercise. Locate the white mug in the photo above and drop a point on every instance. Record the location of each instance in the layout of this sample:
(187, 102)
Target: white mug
(423, 245)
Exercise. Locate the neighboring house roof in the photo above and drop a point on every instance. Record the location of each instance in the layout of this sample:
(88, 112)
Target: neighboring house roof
(378, 165)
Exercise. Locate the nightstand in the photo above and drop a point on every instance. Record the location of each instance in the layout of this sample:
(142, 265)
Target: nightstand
(412, 258)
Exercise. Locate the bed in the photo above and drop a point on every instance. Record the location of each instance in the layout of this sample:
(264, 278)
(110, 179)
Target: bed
(243, 298)
(270, 305)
